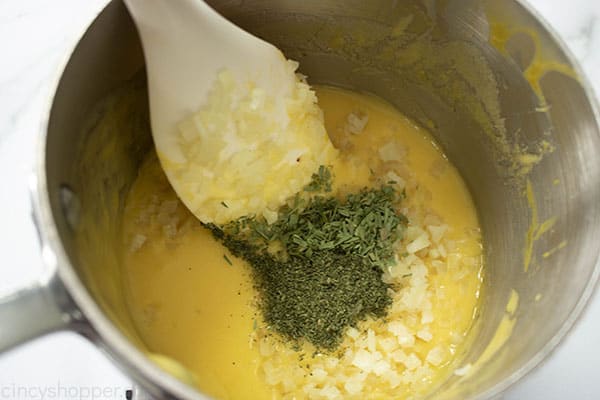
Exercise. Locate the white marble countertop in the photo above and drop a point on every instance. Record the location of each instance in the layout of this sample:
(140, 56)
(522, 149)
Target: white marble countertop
(35, 35)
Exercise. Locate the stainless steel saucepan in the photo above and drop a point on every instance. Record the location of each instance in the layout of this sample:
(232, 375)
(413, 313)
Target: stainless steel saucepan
(488, 78)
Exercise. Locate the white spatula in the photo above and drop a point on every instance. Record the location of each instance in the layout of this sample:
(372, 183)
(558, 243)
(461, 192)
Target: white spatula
(186, 44)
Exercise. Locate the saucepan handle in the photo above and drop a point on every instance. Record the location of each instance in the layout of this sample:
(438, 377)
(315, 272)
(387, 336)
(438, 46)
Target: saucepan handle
(40, 307)
(30, 312)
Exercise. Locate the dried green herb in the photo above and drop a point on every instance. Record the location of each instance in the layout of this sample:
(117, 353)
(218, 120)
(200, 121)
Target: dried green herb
(320, 181)
(327, 276)
(315, 299)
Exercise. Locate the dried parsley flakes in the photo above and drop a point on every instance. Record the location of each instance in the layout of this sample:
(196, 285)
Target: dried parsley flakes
(327, 275)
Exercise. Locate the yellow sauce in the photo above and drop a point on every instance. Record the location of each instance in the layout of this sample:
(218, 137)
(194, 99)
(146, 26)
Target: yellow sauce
(449, 196)
(192, 301)
(186, 301)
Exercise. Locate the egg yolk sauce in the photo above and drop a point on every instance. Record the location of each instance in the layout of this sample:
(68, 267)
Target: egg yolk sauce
(193, 301)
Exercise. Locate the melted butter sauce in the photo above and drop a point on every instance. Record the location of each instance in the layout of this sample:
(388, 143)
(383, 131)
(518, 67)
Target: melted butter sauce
(192, 301)
(187, 301)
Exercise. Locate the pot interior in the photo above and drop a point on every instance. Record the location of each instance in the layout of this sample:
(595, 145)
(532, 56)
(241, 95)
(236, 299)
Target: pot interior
(484, 77)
